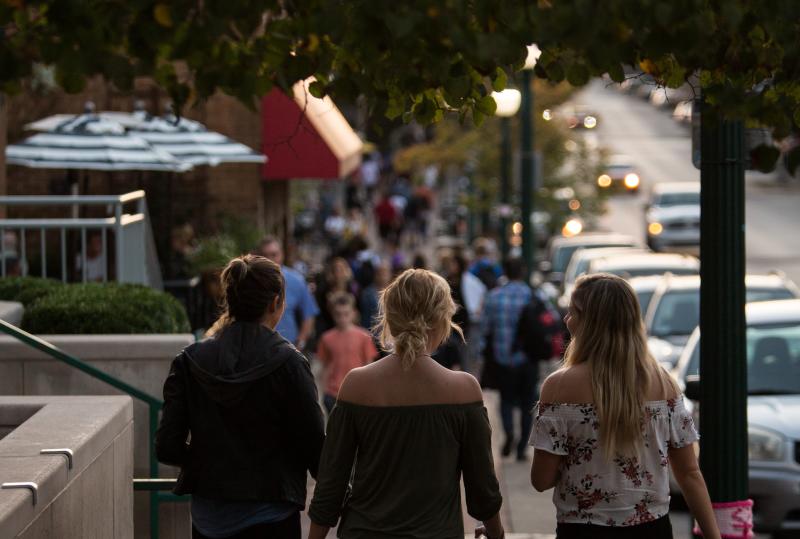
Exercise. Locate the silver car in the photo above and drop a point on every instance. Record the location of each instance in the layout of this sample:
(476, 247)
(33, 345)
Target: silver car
(672, 217)
(643, 264)
(560, 250)
(773, 409)
(674, 311)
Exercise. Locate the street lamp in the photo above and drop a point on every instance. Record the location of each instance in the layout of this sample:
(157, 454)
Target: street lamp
(527, 168)
(507, 106)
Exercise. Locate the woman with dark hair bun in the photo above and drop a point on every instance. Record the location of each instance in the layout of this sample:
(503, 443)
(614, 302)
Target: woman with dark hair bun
(241, 416)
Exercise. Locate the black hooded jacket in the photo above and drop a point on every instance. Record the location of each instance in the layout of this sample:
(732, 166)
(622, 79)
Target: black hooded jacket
(241, 418)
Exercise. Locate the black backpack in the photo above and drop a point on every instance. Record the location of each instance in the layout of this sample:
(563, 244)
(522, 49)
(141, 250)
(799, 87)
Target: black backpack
(540, 330)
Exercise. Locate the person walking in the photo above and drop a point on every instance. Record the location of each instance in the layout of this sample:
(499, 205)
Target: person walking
(344, 347)
(517, 376)
(241, 417)
(611, 423)
(297, 324)
(404, 430)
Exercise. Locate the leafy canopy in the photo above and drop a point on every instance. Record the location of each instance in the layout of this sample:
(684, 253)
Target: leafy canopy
(415, 58)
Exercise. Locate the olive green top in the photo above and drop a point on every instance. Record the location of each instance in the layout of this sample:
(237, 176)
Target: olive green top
(403, 464)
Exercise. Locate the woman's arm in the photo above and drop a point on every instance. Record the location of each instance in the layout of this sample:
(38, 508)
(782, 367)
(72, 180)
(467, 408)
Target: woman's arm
(687, 473)
(173, 430)
(318, 531)
(545, 469)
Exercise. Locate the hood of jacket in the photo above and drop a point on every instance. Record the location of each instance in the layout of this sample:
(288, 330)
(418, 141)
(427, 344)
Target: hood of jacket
(229, 363)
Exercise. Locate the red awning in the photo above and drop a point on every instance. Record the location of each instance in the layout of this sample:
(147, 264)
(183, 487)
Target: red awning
(316, 144)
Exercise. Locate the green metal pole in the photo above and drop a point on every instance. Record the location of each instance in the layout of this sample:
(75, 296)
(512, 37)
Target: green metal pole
(505, 183)
(723, 368)
(527, 171)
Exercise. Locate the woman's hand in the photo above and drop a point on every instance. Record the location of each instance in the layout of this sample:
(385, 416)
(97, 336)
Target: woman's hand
(480, 531)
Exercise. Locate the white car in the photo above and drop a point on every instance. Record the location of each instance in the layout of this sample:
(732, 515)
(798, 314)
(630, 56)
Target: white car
(640, 265)
(560, 250)
(579, 263)
(674, 311)
(773, 409)
(672, 217)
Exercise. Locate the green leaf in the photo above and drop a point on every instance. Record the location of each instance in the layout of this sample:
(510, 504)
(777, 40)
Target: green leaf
(317, 89)
(500, 80)
(486, 105)
(478, 117)
(578, 74)
(616, 73)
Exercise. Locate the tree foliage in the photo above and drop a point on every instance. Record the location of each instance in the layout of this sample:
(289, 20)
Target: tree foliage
(416, 58)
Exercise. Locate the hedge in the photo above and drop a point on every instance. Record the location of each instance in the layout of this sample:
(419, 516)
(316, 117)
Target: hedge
(105, 308)
(26, 290)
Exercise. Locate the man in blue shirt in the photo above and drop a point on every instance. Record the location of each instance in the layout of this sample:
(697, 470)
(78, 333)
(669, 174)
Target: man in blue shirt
(517, 376)
(300, 304)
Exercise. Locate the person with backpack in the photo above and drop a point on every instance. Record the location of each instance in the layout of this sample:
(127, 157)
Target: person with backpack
(517, 375)
(485, 267)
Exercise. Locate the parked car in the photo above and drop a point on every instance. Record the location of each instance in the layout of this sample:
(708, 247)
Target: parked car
(672, 216)
(560, 250)
(645, 287)
(674, 311)
(773, 409)
(620, 175)
(639, 265)
(579, 263)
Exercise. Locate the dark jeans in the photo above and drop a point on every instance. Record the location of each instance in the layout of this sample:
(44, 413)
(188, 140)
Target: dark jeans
(519, 388)
(285, 529)
(658, 529)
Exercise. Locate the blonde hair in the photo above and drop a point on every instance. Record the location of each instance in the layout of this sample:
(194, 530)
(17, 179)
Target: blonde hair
(412, 310)
(610, 337)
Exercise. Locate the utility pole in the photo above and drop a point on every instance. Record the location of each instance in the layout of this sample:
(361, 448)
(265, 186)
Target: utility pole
(505, 183)
(527, 173)
(723, 367)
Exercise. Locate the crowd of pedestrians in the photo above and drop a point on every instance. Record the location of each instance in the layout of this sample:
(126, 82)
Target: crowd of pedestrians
(402, 349)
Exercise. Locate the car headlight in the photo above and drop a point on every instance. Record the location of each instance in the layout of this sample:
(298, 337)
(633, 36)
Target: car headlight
(573, 227)
(763, 444)
(604, 180)
(655, 228)
(631, 180)
(589, 122)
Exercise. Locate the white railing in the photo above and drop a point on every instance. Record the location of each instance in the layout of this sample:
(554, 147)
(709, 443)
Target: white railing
(135, 258)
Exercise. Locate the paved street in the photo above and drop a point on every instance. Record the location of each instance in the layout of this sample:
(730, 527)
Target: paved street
(661, 148)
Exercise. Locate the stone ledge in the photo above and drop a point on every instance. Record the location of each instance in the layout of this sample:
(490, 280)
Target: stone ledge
(100, 347)
(86, 425)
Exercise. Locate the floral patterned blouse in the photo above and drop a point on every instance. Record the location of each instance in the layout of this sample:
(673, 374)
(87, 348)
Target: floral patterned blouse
(623, 491)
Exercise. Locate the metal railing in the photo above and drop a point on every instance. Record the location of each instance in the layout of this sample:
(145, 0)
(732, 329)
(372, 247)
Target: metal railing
(135, 258)
(153, 484)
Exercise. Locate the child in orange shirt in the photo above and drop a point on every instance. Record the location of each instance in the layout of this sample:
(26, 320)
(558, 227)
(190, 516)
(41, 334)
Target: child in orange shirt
(344, 347)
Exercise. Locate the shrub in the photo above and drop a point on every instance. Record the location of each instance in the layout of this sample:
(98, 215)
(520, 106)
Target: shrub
(97, 308)
(26, 290)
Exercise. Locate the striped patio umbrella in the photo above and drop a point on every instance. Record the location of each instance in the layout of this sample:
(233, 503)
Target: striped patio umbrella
(191, 141)
(91, 142)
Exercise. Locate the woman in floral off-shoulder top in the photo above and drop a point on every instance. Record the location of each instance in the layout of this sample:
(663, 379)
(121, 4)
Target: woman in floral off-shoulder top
(610, 423)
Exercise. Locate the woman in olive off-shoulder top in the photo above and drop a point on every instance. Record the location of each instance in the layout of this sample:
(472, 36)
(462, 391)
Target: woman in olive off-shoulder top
(404, 430)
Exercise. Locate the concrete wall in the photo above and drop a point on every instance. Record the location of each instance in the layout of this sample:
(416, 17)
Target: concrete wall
(95, 497)
(142, 361)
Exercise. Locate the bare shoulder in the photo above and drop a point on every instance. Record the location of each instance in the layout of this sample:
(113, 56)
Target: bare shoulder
(550, 385)
(356, 384)
(663, 387)
(569, 385)
(467, 389)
